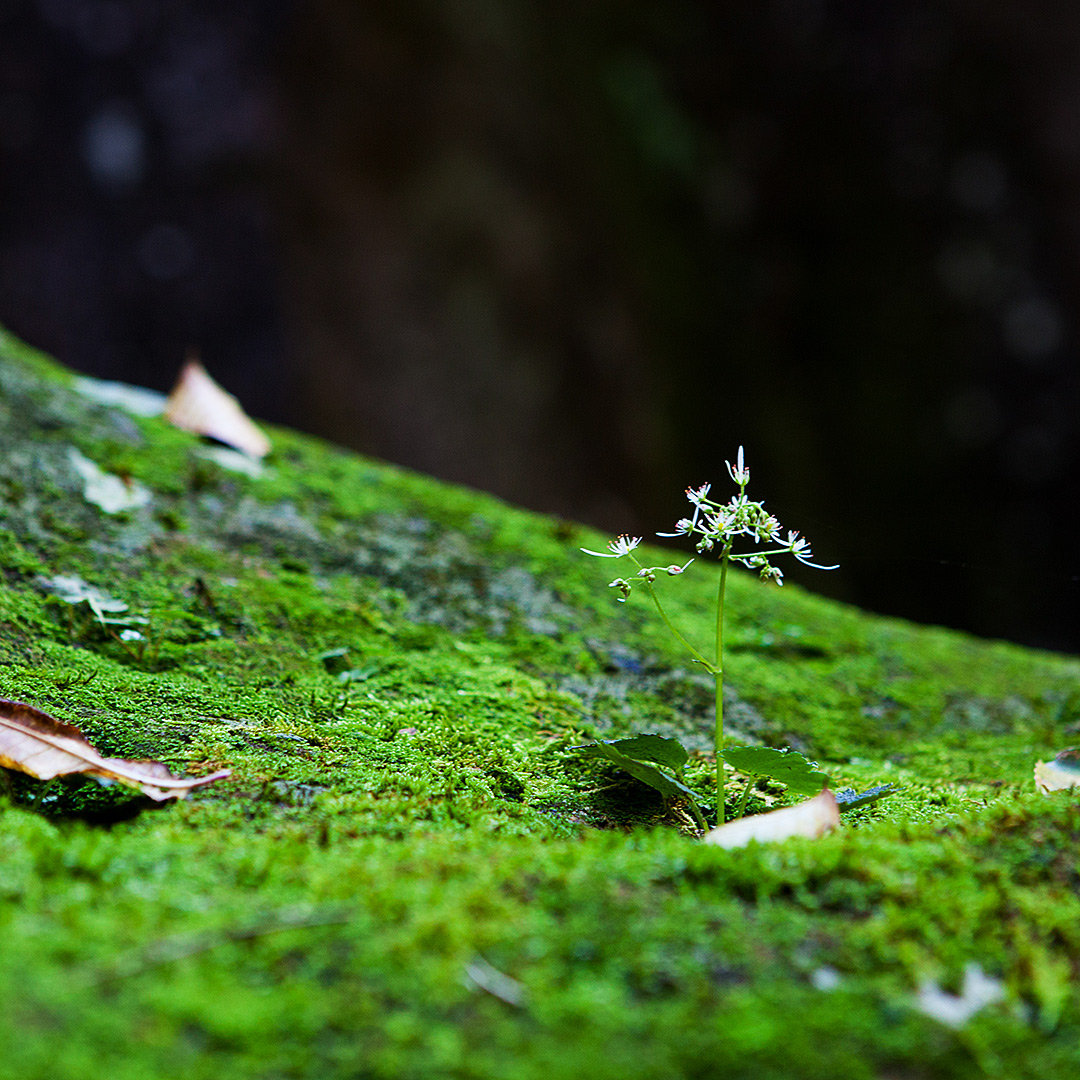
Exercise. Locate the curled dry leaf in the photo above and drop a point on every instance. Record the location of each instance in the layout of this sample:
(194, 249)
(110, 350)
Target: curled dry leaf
(811, 818)
(1061, 773)
(199, 405)
(33, 742)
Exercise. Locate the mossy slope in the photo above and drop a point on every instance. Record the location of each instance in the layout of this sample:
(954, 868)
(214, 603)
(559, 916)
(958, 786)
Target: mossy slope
(394, 669)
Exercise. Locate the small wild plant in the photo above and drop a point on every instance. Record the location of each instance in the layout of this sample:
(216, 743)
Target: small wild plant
(719, 529)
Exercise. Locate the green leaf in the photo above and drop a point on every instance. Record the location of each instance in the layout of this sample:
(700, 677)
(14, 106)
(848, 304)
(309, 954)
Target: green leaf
(647, 774)
(787, 767)
(358, 674)
(334, 660)
(656, 748)
(847, 799)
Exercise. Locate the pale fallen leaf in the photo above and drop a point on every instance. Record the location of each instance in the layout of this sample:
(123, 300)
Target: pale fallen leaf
(106, 491)
(810, 818)
(234, 460)
(73, 590)
(199, 405)
(35, 743)
(1061, 773)
(978, 991)
(107, 610)
(133, 399)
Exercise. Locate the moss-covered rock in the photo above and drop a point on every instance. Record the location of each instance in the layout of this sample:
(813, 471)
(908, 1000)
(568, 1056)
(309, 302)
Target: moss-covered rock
(408, 874)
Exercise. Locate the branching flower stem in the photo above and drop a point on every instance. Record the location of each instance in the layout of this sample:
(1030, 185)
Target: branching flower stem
(716, 526)
(709, 666)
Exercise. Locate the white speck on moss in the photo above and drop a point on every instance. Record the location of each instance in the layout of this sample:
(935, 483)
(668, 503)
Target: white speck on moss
(978, 991)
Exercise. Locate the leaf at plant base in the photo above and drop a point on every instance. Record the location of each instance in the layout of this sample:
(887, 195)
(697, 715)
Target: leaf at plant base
(812, 818)
(656, 748)
(787, 767)
(33, 742)
(848, 799)
(1061, 773)
(647, 774)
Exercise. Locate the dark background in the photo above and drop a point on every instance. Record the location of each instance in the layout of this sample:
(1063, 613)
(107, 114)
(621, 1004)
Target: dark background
(576, 253)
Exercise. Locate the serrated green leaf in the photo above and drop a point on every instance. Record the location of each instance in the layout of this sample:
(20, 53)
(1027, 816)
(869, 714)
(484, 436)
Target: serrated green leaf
(647, 774)
(787, 767)
(655, 748)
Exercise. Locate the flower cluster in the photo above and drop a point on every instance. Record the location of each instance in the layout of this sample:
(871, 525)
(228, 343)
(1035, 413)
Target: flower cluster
(716, 526)
(624, 545)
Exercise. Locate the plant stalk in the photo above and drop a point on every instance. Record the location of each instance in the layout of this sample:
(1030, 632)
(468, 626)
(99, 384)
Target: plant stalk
(671, 626)
(698, 816)
(741, 808)
(718, 672)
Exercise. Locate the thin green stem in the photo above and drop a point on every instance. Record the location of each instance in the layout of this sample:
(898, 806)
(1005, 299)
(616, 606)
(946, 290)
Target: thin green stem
(758, 554)
(698, 816)
(718, 673)
(741, 808)
(46, 786)
(671, 626)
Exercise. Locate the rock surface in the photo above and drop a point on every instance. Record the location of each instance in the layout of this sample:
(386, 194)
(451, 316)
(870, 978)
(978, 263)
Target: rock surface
(408, 873)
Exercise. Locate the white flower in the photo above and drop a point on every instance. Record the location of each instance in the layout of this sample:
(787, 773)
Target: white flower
(620, 546)
(768, 528)
(682, 526)
(740, 473)
(773, 572)
(799, 546)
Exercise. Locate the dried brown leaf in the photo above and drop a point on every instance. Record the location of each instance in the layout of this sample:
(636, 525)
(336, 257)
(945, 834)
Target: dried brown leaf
(199, 405)
(35, 743)
(810, 818)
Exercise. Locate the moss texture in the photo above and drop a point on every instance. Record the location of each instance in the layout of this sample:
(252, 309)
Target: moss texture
(409, 874)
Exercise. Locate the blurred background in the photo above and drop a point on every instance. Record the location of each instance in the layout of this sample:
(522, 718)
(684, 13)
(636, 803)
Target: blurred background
(576, 253)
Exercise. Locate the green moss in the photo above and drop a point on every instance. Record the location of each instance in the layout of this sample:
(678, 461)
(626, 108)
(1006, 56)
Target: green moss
(410, 813)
